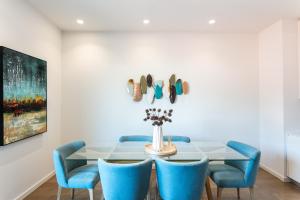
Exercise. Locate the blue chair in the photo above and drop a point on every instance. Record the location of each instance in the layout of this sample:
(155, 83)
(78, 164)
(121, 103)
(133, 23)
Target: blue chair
(135, 138)
(74, 174)
(181, 181)
(177, 138)
(234, 173)
(125, 181)
(148, 138)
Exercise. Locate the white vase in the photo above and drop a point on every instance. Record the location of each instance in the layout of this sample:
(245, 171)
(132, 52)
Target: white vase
(158, 140)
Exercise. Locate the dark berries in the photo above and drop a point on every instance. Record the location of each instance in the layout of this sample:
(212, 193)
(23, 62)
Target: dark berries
(157, 117)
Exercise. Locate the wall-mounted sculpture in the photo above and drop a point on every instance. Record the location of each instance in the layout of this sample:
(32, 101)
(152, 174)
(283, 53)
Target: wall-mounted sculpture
(185, 87)
(130, 85)
(137, 92)
(143, 83)
(172, 94)
(155, 89)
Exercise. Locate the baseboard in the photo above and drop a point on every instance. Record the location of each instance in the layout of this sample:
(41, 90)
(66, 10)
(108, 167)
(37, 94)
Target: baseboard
(35, 186)
(295, 182)
(274, 173)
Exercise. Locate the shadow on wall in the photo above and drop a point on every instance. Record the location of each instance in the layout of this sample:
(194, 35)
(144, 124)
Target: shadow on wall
(19, 150)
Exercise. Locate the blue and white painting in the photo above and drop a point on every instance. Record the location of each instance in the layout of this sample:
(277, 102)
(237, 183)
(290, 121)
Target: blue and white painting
(24, 96)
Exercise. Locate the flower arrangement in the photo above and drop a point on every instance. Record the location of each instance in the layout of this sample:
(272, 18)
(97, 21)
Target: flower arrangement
(157, 116)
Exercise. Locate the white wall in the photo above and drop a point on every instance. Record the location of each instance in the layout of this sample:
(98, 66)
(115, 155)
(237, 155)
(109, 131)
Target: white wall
(291, 100)
(278, 93)
(25, 163)
(299, 58)
(271, 98)
(290, 63)
(222, 70)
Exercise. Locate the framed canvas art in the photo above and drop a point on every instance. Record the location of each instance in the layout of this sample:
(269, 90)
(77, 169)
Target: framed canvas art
(23, 95)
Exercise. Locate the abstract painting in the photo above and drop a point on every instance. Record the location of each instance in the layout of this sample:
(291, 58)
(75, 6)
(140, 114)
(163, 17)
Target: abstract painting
(23, 96)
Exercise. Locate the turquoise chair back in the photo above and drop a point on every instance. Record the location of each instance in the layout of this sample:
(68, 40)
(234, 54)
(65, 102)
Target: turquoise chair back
(63, 166)
(250, 168)
(125, 181)
(181, 181)
(177, 138)
(148, 138)
(135, 138)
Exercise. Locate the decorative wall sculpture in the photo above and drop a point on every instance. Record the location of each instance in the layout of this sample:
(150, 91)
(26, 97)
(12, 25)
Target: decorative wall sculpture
(137, 93)
(23, 96)
(130, 86)
(185, 87)
(155, 89)
(143, 83)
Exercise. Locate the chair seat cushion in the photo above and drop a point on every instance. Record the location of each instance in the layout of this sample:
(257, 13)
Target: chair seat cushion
(84, 177)
(226, 176)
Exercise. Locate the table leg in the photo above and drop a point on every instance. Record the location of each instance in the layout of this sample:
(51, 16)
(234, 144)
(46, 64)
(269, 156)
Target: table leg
(208, 189)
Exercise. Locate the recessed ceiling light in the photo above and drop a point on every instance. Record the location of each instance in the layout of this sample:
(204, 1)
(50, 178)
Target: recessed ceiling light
(146, 21)
(80, 21)
(212, 21)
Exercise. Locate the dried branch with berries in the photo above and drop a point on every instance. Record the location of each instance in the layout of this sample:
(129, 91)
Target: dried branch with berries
(158, 117)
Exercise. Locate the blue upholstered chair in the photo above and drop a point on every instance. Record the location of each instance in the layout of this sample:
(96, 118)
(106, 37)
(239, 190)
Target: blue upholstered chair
(181, 181)
(236, 174)
(177, 138)
(74, 174)
(148, 138)
(125, 181)
(135, 138)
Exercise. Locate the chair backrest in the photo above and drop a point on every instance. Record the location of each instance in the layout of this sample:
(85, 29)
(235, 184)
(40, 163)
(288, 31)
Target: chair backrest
(148, 138)
(125, 181)
(177, 138)
(184, 181)
(63, 166)
(250, 167)
(135, 138)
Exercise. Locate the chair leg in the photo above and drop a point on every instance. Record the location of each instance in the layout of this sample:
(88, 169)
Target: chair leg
(208, 189)
(148, 196)
(156, 196)
(101, 196)
(72, 193)
(91, 194)
(219, 193)
(238, 193)
(251, 190)
(59, 192)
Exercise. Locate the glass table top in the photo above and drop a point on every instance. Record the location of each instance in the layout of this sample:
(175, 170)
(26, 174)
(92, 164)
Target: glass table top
(134, 151)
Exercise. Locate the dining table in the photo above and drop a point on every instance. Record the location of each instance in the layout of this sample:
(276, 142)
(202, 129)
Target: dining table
(135, 151)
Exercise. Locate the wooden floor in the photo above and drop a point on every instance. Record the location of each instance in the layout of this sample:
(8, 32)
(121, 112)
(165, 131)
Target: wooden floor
(267, 188)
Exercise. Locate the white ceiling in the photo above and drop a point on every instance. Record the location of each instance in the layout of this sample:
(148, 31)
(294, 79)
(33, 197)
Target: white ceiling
(240, 16)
